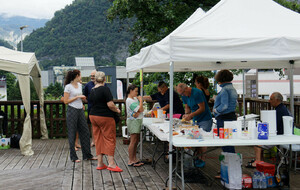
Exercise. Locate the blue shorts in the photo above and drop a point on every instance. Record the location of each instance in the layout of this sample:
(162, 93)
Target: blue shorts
(205, 125)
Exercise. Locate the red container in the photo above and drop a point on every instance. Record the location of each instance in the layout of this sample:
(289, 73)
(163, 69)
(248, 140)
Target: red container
(216, 133)
(265, 167)
(221, 133)
(247, 181)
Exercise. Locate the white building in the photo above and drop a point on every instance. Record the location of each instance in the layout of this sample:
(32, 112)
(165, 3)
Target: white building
(268, 82)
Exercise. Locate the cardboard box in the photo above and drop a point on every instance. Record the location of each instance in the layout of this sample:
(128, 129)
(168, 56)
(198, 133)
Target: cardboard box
(5, 143)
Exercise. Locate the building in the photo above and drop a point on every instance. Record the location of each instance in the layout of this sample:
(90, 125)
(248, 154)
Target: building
(114, 73)
(57, 73)
(265, 83)
(86, 65)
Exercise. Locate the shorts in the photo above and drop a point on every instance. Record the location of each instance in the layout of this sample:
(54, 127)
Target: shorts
(134, 125)
(205, 125)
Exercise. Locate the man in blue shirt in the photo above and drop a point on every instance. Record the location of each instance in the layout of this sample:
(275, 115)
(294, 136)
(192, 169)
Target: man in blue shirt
(87, 90)
(196, 108)
(276, 102)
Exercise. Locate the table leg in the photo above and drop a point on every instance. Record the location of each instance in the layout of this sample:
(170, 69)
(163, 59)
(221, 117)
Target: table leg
(182, 171)
(153, 155)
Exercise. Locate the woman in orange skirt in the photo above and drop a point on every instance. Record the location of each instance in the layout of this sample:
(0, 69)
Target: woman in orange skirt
(104, 125)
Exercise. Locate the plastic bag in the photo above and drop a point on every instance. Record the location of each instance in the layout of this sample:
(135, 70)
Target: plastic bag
(231, 170)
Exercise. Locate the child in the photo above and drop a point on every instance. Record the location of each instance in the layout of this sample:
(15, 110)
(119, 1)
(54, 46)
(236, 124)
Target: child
(134, 106)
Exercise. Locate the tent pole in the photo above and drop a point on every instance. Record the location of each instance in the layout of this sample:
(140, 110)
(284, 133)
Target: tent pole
(171, 124)
(291, 77)
(244, 101)
(127, 80)
(141, 93)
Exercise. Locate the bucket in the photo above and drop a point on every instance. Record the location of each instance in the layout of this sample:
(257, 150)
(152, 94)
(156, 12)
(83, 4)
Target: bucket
(287, 125)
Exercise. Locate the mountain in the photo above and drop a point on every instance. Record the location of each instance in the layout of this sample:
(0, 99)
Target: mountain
(80, 29)
(10, 27)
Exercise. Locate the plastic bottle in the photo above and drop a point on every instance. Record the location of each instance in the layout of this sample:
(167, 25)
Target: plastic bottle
(156, 105)
(145, 106)
(254, 181)
(263, 181)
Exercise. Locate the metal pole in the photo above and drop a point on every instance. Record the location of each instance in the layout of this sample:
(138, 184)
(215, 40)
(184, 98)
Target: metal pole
(127, 80)
(21, 39)
(244, 110)
(141, 134)
(171, 124)
(291, 77)
(244, 101)
(21, 28)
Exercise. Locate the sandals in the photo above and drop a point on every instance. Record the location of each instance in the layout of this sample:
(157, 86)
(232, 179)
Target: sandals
(116, 169)
(102, 168)
(137, 164)
(93, 158)
(76, 161)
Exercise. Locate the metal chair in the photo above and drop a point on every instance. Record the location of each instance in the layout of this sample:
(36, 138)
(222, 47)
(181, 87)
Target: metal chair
(295, 150)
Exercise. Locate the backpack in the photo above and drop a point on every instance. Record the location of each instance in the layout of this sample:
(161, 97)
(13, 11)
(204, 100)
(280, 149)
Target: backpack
(14, 140)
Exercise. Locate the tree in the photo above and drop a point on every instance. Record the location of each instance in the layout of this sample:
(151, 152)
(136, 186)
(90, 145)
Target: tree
(13, 88)
(154, 19)
(5, 44)
(54, 91)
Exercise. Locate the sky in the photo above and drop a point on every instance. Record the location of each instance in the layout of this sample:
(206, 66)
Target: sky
(40, 9)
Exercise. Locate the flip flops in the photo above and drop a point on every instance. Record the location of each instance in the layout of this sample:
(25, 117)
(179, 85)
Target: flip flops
(102, 168)
(76, 161)
(93, 158)
(116, 169)
(137, 164)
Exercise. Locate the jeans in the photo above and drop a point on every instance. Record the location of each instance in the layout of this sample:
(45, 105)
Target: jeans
(205, 125)
(220, 124)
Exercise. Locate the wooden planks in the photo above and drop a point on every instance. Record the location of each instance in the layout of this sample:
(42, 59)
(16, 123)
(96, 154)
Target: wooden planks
(51, 168)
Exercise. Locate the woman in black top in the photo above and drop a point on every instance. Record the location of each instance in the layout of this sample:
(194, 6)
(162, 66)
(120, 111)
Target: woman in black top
(103, 122)
(202, 84)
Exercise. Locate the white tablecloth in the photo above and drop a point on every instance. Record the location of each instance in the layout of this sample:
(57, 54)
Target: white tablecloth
(182, 141)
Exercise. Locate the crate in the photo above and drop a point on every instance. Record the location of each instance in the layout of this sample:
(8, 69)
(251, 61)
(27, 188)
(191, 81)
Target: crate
(265, 167)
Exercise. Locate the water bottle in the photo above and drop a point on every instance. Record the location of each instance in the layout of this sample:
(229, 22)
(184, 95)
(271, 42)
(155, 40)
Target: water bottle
(255, 181)
(263, 181)
(145, 106)
(156, 105)
(259, 179)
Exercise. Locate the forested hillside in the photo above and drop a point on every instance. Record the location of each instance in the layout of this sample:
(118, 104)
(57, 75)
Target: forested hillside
(81, 29)
(5, 44)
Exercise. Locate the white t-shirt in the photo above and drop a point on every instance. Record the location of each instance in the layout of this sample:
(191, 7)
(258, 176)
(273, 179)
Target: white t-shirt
(69, 88)
(132, 106)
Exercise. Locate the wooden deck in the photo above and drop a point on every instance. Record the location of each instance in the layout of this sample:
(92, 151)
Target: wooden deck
(51, 168)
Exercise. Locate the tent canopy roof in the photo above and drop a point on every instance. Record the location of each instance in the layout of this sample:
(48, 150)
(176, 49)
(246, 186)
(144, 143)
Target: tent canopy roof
(234, 34)
(23, 63)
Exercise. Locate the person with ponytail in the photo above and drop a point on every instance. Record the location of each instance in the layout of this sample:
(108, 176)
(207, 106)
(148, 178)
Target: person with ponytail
(103, 123)
(134, 107)
(202, 84)
(76, 120)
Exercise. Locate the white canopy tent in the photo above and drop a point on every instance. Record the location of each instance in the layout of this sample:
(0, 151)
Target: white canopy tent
(25, 65)
(234, 34)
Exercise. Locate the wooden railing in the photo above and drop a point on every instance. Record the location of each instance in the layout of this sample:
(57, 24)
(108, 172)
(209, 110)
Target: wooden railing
(254, 105)
(55, 113)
